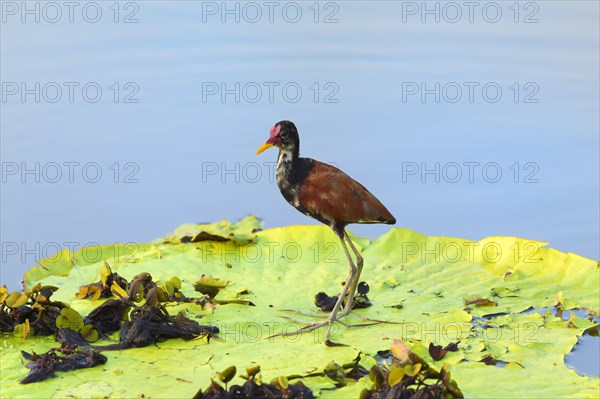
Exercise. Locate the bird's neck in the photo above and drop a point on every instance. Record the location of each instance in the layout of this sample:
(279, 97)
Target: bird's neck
(286, 163)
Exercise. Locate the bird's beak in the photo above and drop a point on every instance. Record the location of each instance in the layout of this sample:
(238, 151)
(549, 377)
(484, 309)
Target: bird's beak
(263, 147)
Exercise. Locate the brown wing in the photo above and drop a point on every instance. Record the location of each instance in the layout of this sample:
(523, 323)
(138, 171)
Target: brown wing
(332, 195)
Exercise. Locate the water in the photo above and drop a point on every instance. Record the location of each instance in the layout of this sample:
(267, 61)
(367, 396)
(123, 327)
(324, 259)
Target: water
(167, 144)
(584, 356)
(170, 149)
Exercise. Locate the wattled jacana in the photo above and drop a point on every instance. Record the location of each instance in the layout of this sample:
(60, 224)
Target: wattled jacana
(327, 194)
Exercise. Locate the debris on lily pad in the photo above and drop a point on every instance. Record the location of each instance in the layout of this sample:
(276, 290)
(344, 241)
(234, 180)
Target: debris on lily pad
(147, 324)
(418, 295)
(65, 358)
(152, 324)
(254, 388)
(242, 232)
(139, 325)
(108, 317)
(437, 352)
(326, 303)
(30, 312)
(104, 287)
(210, 286)
(477, 301)
(409, 376)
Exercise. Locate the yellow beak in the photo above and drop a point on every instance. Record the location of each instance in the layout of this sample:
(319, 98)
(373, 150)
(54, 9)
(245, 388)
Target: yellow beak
(263, 147)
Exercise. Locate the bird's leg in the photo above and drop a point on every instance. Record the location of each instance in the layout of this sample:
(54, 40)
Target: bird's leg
(354, 283)
(352, 290)
(348, 292)
(333, 317)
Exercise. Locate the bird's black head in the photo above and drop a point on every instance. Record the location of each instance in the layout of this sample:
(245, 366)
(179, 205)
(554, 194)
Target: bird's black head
(283, 135)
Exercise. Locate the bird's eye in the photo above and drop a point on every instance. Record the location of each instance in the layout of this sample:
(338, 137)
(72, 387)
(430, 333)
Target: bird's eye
(283, 134)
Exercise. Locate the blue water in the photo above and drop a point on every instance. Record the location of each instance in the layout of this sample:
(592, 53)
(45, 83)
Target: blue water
(186, 99)
(170, 129)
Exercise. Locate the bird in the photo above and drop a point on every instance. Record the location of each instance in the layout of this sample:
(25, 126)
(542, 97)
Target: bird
(329, 195)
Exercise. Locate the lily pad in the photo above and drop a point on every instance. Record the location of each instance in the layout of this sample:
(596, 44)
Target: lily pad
(69, 318)
(241, 232)
(281, 269)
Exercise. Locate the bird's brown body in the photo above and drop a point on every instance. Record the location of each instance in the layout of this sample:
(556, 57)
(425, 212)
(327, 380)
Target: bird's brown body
(329, 195)
(334, 198)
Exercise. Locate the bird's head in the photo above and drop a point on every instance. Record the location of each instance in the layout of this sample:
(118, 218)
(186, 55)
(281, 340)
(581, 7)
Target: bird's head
(283, 135)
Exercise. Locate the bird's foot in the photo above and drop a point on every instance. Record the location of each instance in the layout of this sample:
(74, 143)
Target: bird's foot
(303, 313)
(308, 327)
(318, 324)
(313, 326)
(344, 312)
(369, 321)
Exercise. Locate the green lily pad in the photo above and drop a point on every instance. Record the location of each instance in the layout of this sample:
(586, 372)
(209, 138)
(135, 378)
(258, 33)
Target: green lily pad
(3, 294)
(395, 376)
(207, 285)
(23, 330)
(69, 318)
(16, 299)
(241, 232)
(283, 268)
(89, 333)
